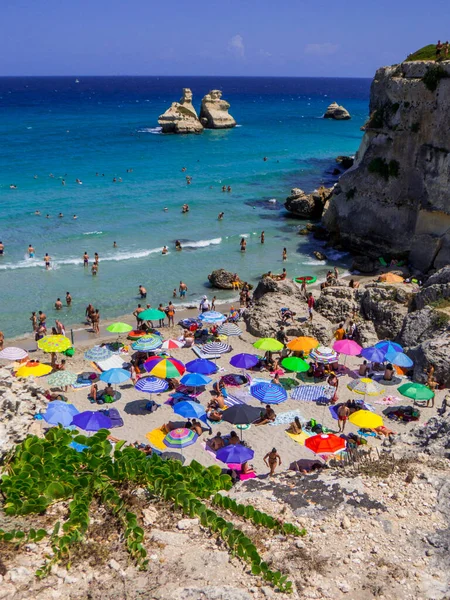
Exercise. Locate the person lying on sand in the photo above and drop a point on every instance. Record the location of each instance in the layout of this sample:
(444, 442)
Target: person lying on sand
(267, 417)
(216, 443)
(214, 415)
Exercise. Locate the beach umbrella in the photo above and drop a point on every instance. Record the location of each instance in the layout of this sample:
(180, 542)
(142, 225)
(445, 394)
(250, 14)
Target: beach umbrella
(61, 379)
(190, 410)
(303, 344)
(229, 329)
(151, 385)
(366, 387)
(416, 391)
(241, 414)
(215, 348)
(399, 358)
(234, 454)
(119, 328)
(202, 365)
(373, 354)
(90, 420)
(98, 353)
(54, 343)
(156, 439)
(388, 346)
(60, 413)
(172, 344)
(268, 345)
(195, 380)
(115, 376)
(244, 360)
(152, 314)
(269, 393)
(365, 419)
(13, 353)
(324, 355)
(347, 347)
(164, 367)
(180, 438)
(212, 316)
(325, 443)
(297, 365)
(33, 369)
(147, 343)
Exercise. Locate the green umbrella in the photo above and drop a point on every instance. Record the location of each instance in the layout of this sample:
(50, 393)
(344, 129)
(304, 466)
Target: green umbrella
(295, 364)
(416, 391)
(119, 328)
(61, 378)
(151, 314)
(268, 345)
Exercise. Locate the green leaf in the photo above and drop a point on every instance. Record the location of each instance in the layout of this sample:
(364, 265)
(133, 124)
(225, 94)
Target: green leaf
(256, 569)
(55, 490)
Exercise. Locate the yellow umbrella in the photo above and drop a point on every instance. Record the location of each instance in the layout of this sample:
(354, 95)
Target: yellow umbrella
(54, 343)
(366, 419)
(303, 343)
(155, 437)
(34, 369)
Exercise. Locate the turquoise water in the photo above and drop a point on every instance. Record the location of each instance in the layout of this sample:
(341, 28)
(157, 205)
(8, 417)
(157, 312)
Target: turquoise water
(108, 125)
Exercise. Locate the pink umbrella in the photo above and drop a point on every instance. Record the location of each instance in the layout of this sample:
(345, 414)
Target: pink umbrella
(348, 347)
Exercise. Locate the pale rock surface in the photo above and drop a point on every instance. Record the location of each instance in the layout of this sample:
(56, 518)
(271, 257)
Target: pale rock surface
(386, 306)
(420, 326)
(336, 303)
(337, 112)
(214, 112)
(181, 117)
(435, 352)
(307, 206)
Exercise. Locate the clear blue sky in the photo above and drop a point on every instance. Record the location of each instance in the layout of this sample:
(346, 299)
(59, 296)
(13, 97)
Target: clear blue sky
(214, 37)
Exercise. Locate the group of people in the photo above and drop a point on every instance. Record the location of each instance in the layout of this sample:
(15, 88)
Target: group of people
(39, 326)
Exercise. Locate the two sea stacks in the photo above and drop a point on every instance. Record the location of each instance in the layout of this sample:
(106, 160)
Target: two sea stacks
(182, 117)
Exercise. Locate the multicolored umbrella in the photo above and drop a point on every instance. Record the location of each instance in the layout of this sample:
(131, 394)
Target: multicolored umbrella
(347, 347)
(151, 385)
(235, 454)
(373, 354)
(33, 369)
(13, 353)
(202, 365)
(325, 443)
(195, 380)
(152, 314)
(119, 328)
(215, 348)
(212, 316)
(229, 329)
(416, 391)
(90, 420)
(115, 376)
(180, 438)
(244, 360)
(269, 393)
(366, 387)
(324, 355)
(303, 344)
(164, 367)
(190, 410)
(172, 344)
(294, 364)
(388, 346)
(268, 345)
(61, 379)
(98, 353)
(365, 419)
(60, 413)
(399, 358)
(54, 343)
(147, 343)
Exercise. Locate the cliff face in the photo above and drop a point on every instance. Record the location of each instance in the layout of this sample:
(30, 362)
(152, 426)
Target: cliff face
(395, 200)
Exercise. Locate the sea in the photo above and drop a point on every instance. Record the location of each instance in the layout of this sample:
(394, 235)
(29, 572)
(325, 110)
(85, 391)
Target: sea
(57, 130)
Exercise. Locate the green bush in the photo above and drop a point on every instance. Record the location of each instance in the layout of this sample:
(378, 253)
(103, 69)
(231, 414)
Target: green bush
(433, 76)
(381, 167)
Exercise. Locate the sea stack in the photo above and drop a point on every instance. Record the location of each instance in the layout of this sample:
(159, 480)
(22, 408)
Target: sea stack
(214, 112)
(337, 112)
(181, 117)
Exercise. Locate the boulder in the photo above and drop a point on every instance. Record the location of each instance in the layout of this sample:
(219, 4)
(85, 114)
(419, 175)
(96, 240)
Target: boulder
(441, 277)
(386, 306)
(307, 206)
(319, 255)
(345, 161)
(214, 112)
(435, 290)
(366, 334)
(433, 352)
(364, 264)
(221, 279)
(422, 325)
(337, 303)
(337, 112)
(181, 117)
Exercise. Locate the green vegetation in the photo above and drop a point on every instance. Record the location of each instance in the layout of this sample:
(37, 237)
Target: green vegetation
(441, 303)
(41, 472)
(433, 76)
(380, 167)
(376, 119)
(425, 53)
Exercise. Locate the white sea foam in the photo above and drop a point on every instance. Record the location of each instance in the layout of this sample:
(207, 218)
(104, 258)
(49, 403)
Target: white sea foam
(238, 125)
(202, 243)
(154, 130)
(244, 235)
(313, 262)
(92, 232)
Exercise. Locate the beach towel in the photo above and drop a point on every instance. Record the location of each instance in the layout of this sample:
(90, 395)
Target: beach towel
(238, 396)
(300, 438)
(388, 401)
(113, 414)
(313, 393)
(113, 362)
(287, 417)
(234, 380)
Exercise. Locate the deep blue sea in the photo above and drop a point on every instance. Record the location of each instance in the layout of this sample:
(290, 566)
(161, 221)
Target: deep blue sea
(55, 128)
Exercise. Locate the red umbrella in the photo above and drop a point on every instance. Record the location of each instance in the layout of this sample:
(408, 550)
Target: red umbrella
(325, 443)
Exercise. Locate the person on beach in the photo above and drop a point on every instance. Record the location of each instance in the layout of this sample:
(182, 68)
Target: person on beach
(170, 312)
(336, 273)
(47, 260)
(2, 340)
(343, 415)
(234, 439)
(96, 321)
(161, 321)
(311, 303)
(86, 259)
(33, 320)
(295, 427)
(213, 303)
(182, 289)
(60, 329)
(284, 255)
(333, 381)
(363, 370)
(268, 416)
(339, 334)
(90, 310)
(243, 245)
(217, 442)
(204, 304)
(68, 299)
(136, 314)
(281, 335)
(142, 291)
(30, 251)
(272, 459)
(438, 50)
(58, 304)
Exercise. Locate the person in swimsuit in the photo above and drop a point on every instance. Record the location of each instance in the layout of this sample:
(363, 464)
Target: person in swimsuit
(86, 259)
(96, 321)
(33, 320)
(142, 291)
(47, 260)
(284, 255)
(178, 245)
(96, 257)
(272, 459)
(114, 245)
(170, 312)
(68, 299)
(220, 217)
(263, 237)
(58, 304)
(165, 250)
(94, 268)
(243, 245)
(42, 320)
(2, 248)
(267, 417)
(30, 251)
(343, 415)
(182, 289)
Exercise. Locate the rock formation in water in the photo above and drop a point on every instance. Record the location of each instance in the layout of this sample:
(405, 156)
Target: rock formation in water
(395, 200)
(181, 117)
(337, 112)
(307, 206)
(214, 112)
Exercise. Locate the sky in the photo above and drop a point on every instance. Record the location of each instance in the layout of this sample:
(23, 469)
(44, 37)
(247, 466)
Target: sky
(350, 38)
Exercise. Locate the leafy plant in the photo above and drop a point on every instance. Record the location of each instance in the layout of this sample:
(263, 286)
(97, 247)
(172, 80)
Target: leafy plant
(381, 167)
(433, 76)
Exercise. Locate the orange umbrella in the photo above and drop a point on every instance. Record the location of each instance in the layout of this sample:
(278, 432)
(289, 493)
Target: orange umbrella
(303, 343)
(390, 278)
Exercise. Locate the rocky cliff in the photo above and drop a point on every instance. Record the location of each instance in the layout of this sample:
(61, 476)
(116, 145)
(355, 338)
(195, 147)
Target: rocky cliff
(181, 117)
(214, 112)
(394, 201)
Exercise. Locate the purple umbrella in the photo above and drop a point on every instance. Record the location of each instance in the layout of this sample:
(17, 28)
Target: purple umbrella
(90, 420)
(234, 454)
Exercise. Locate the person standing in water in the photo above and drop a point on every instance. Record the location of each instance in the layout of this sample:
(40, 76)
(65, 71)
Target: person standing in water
(263, 237)
(30, 251)
(2, 248)
(243, 245)
(182, 289)
(58, 304)
(86, 259)
(68, 299)
(284, 255)
(47, 260)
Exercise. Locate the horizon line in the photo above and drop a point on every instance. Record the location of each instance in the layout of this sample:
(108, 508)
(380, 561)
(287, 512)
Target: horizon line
(205, 76)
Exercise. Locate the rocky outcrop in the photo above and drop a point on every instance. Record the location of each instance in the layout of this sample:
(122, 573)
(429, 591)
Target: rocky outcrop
(422, 325)
(214, 112)
(221, 279)
(434, 352)
(181, 117)
(386, 306)
(345, 161)
(364, 264)
(307, 206)
(394, 201)
(337, 303)
(435, 290)
(337, 112)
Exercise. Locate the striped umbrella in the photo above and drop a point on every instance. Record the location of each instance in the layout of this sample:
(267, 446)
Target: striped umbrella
(324, 355)
(180, 438)
(215, 348)
(98, 353)
(202, 365)
(147, 343)
(399, 359)
(269, 393)
(54, 343)
(151, 385)
(13, 353)
(172, 344)
(229, 329)
(164, 367)
(212, 316)
(62, 378)
(366, 387)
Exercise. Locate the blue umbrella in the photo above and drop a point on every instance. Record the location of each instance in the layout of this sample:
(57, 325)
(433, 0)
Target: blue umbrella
(212, 316)
(115, 376)
(399, 359)
(201, 365)
(60, 413)
(195, 380)
(90, 420)
(190, 410)
(98, 353)
(147, 343)
(387, 346)
(234, 454)
(374, 354)
(244, 361)
(151, 385)
(269, 393)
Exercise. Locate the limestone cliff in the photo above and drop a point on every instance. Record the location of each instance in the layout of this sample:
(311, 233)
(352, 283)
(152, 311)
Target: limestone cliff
(214, 112)
(181, 117)
(395, 200)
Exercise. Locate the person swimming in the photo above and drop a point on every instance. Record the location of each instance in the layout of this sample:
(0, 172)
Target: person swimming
(165, 250)
(178, 245)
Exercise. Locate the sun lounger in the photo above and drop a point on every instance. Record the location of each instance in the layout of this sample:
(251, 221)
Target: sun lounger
(200, 354)
(313, 393)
